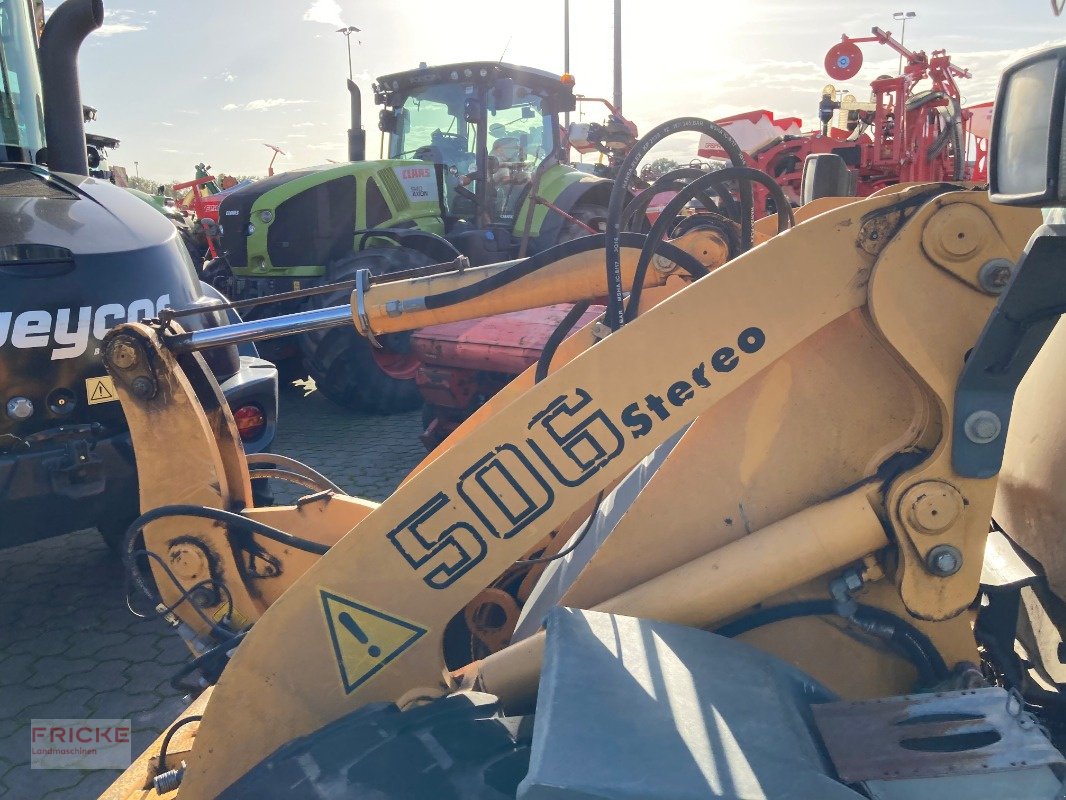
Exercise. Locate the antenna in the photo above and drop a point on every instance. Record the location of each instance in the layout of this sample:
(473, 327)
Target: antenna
(505, 50)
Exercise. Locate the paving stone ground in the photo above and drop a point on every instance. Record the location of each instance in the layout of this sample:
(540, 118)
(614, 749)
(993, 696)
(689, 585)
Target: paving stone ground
(69, 647)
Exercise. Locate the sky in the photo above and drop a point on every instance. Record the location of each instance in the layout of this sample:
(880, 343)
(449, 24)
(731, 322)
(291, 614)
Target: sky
(186, 81)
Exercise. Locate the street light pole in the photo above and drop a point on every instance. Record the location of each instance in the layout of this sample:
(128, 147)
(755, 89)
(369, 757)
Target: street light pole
(347, 32)
(566, 48)
(902, 16)
(618, 55)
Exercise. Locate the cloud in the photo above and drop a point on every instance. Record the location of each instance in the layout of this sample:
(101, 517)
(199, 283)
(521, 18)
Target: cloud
(115, 28)
(328, 12)
(167, 124)
(121, 20)
(263, 104)
(304, 125)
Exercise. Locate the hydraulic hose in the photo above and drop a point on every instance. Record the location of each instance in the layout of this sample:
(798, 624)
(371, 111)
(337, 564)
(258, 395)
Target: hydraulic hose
(675, 181)
(918, 648)
(556, 338)
(129, 549)
(547, 257)
(785, 218)
(615, 316)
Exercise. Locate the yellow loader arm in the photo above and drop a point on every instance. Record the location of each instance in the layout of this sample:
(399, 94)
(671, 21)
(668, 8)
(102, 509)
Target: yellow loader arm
(813, 378)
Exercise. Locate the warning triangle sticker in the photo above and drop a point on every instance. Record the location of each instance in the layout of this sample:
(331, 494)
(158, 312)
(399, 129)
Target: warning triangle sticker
(364, 639)
(101, 392)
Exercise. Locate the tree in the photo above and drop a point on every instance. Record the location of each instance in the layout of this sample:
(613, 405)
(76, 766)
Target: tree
(148, 185)
(657, 168)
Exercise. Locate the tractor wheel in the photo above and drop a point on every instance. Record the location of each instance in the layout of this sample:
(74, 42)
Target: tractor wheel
(113, 532)
(346, 367)
(592, 214)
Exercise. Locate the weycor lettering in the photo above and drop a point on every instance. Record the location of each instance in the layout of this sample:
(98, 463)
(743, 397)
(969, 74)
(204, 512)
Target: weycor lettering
(68, 330)
(569, 441)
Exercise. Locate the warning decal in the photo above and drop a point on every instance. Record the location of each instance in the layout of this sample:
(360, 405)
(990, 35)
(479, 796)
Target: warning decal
(364, 639)
(100, 390)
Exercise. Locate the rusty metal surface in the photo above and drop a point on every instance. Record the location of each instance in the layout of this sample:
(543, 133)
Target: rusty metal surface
(506, 343)
(960, 733)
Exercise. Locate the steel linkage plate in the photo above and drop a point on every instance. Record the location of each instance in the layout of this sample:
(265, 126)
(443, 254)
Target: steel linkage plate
(932, 735)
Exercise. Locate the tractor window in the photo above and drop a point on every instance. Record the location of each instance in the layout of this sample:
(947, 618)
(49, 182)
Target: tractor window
(431, 127)
(523, 134)
(377, 210)
(21, 111)
(314, 227)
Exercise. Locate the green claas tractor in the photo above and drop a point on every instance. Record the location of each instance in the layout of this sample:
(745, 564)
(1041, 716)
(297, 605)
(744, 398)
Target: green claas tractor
(477, 169)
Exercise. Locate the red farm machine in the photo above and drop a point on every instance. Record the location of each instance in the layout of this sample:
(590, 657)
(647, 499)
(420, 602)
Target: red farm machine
(913, 128)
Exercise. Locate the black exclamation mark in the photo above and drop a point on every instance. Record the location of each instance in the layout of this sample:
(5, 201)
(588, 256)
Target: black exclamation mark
(357, 632)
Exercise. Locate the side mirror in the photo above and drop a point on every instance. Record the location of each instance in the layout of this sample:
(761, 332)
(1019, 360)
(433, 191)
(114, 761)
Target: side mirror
(1026, 147)
(472, 110)
(528, 112)
(503, 93)
(387, 121)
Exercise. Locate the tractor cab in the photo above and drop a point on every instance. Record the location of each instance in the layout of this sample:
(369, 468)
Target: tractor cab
(487, 127)
(21, 106)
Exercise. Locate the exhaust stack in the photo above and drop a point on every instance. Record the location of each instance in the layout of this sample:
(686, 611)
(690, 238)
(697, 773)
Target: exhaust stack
(64, 123)
(356, 134)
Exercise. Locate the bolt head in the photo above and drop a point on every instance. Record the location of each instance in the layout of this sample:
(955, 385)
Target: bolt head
(122, 355)
(994, 275)
(20, 408)
(982, 427)
(143, 387)
(944, 560)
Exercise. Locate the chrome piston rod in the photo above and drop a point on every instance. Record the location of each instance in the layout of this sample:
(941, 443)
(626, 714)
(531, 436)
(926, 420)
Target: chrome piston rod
(255, 330)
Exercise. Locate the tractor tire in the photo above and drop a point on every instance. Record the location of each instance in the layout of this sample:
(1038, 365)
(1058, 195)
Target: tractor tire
(592, 214)
(113, 532)
(825, 175)
(343, 363)
(459, 746)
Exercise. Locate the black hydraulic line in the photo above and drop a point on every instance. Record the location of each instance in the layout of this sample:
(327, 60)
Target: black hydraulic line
(170, 735)
(185, 594)
(620, 192)
(557, 337)
(546, 257)
(215, 514)
(675, 181)
(919, 649)
(203, 658)
(785, 219)
(573, 545)
(229, 518)
(543, 363)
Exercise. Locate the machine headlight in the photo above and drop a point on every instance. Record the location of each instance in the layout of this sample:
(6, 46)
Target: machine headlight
(266, 216)
(251, 229)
